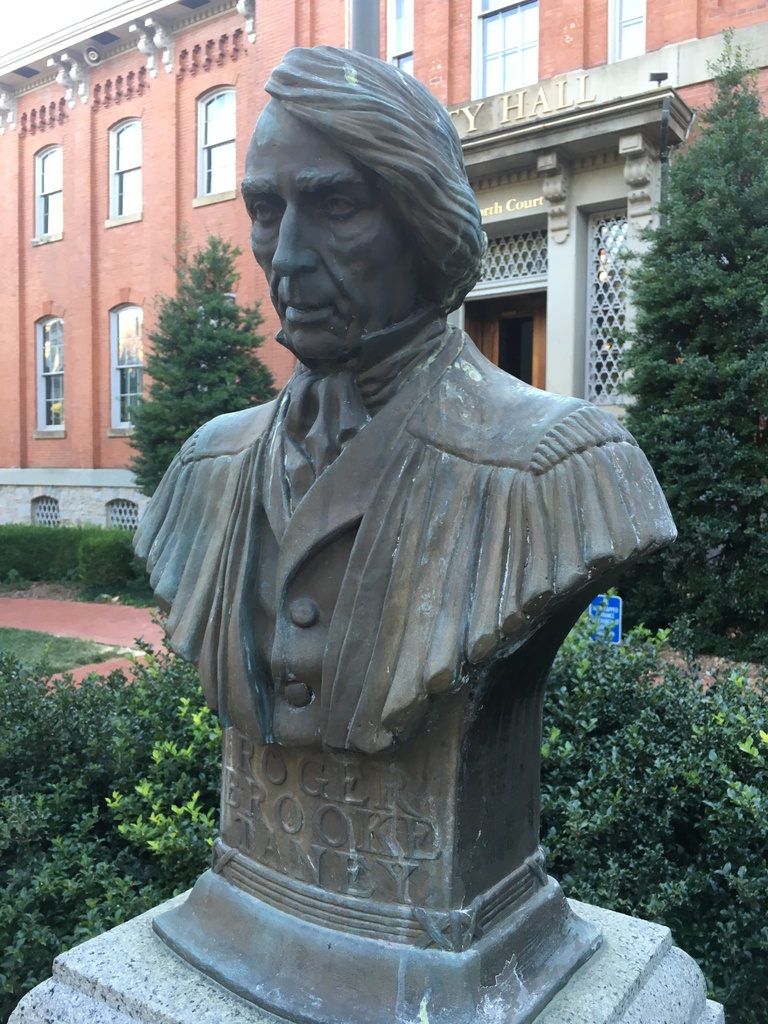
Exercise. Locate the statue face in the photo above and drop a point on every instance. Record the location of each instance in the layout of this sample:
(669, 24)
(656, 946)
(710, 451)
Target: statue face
(336, 259)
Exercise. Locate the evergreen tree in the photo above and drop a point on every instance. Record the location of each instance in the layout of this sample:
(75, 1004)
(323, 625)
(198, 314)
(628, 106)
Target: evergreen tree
(202, 361)
(698, 367)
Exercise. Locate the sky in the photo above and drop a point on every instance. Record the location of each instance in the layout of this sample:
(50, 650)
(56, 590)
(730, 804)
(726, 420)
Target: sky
(23, 23)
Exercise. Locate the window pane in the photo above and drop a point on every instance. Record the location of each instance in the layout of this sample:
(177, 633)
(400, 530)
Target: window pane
(50, 177)
(53, 347)
(530, 24)
(130, 392)
(129, 345)
(54, 400)
(405, 63)
(530, 64)
(129, 192)
(631, 10)
(403, 34)
(128, 147)
(632, 40)
(220, 119)
(492, 35)
(513, 30)
(493, 77)
(221, 175)
(53, 210)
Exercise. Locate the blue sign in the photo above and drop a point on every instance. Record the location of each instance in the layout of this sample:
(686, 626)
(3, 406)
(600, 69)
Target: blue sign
(607, 613)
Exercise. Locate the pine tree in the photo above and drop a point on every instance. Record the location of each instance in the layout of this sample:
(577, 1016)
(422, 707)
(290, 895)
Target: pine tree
(698, 367)
(202, 360)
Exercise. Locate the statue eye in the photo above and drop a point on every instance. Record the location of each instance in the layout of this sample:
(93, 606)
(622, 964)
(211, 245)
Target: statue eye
(265, 212)
(339, 207)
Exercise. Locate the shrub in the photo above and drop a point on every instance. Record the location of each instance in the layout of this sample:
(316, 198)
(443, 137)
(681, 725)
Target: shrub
(655, 803)
(106, 558)
(40, 552)
(98, 557)
(107, 797)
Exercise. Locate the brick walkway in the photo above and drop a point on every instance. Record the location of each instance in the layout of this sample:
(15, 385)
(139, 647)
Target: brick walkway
(113, 624)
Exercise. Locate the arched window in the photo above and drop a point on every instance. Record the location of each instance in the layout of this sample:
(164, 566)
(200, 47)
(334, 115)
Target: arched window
(125, 169)
(216, 143)
(49, 194)
(122, 514)
(45, 511)
(126, 327)
(50, 371)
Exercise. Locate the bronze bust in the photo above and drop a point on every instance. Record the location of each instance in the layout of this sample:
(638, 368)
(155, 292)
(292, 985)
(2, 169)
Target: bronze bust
(373, 574)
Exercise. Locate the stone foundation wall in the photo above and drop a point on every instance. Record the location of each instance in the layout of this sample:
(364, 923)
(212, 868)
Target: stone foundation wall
(78, 506)
(79, 498)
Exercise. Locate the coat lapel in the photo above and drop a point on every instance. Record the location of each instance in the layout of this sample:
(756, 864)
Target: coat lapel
(340, 496)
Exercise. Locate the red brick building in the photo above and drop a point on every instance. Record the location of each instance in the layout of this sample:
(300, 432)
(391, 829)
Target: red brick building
(130, 127)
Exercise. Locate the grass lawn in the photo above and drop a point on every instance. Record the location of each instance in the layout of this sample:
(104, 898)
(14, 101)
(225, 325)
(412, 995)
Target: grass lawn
(50, 653)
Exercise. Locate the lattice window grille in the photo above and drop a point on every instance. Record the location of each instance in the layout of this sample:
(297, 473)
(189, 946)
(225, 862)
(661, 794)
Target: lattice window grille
(45, 511)
(515, 257)
(606, 305)
(122, 514)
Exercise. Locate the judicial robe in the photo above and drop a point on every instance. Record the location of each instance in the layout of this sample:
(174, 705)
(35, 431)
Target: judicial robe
(452, 526)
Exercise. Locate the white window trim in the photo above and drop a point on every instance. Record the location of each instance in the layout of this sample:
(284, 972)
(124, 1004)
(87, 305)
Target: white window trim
(39, 198)
(615, 29)
(115, 393)
(114, 135)
(44, 428)
(394, 53)
(201, 148)
(478, 63)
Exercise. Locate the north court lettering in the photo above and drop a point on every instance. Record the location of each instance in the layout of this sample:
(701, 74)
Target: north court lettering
(513, 205)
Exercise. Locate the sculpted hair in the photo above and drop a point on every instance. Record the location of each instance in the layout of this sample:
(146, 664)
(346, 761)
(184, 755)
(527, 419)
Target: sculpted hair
(389, 123)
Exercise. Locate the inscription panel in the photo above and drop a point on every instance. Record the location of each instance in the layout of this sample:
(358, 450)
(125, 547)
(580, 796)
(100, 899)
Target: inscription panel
(348, 825)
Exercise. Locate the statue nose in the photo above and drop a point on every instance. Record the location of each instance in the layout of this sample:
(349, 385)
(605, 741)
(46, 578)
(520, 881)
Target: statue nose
(294, 252)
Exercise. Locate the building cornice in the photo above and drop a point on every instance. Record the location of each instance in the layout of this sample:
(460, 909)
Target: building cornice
(116, 20)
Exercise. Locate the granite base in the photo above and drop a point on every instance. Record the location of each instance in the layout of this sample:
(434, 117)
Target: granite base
(128, 976)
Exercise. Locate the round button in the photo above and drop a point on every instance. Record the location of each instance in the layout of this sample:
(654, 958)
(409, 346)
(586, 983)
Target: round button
(298, 694)
(303, 612)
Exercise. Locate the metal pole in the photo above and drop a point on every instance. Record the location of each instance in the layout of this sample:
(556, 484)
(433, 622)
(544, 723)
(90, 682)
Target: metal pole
(364, 26)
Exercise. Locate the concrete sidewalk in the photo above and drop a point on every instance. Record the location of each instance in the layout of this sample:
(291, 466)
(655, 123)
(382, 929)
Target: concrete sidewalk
(113, 624)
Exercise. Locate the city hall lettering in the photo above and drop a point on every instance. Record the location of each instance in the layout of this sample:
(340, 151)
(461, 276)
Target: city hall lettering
(513, 108)
(332, 820)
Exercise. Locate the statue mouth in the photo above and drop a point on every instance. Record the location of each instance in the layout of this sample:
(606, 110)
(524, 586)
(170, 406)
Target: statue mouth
(308, 315)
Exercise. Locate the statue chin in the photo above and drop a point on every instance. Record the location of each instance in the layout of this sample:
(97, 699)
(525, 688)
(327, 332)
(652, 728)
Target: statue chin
(313, 346)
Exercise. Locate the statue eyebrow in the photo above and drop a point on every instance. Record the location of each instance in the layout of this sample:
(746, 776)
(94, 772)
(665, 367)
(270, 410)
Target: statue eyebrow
(258, 186)
(310, 180)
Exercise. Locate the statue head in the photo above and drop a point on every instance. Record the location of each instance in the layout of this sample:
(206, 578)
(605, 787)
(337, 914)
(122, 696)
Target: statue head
(338, 114)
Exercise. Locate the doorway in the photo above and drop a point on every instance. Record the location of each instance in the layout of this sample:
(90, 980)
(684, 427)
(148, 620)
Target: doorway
(512, 333)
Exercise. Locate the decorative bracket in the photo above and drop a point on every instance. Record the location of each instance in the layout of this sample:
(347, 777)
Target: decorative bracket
(640, 162)
(7, 110)
(247, 10)
(72, 75)
(155, 42)
(556, 189)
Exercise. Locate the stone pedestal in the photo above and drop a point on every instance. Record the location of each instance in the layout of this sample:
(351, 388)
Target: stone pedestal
(128, 976)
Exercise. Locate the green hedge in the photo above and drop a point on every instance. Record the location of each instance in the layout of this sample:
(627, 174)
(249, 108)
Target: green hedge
(653, 798)
(94, 555)
(655, 804)
(107, 806)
